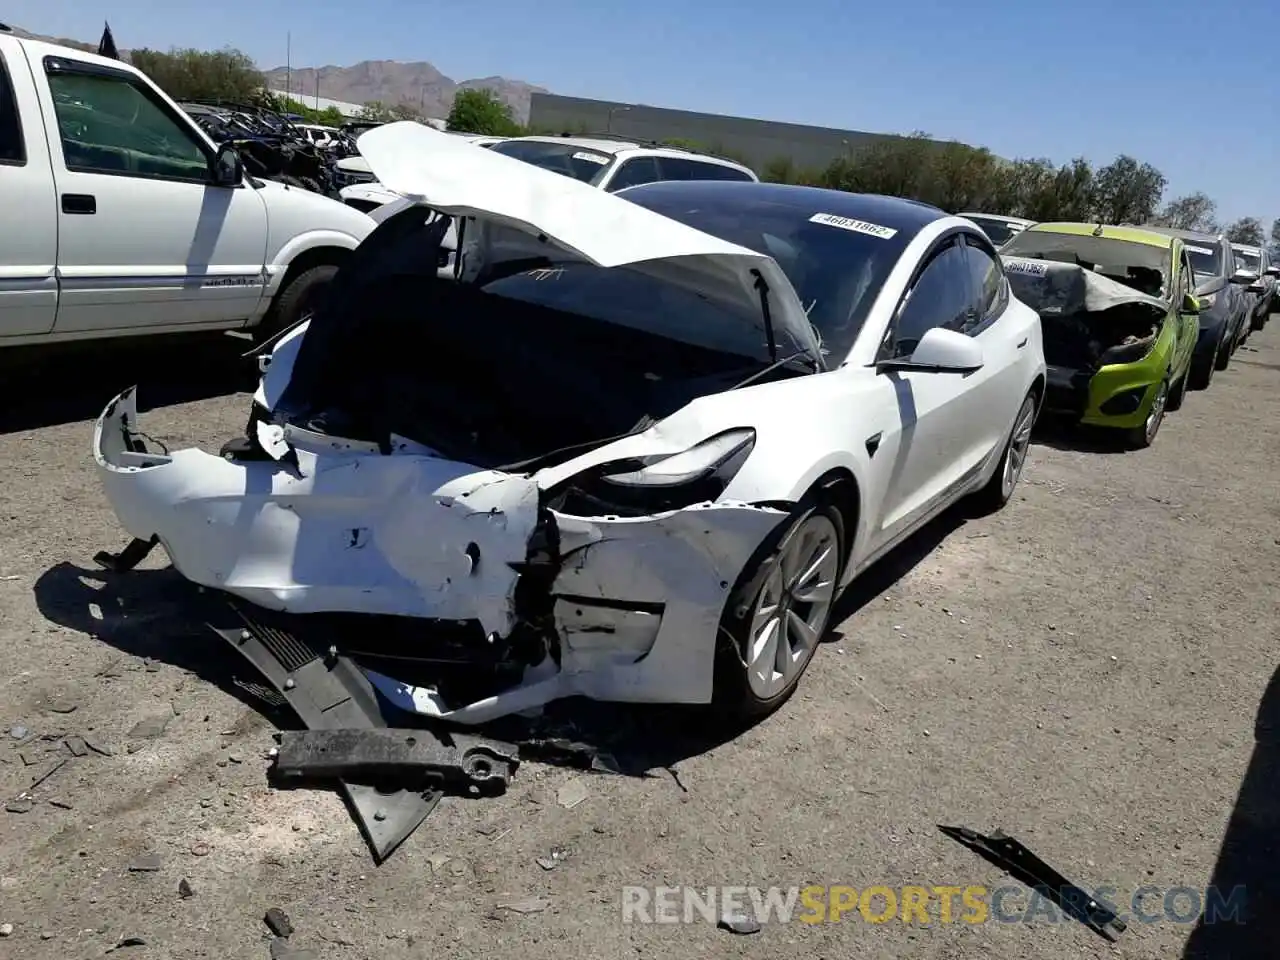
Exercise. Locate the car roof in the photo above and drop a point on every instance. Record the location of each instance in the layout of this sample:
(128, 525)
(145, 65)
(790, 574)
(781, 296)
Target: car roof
(969, 215)
(897, 213)
(1185, 234)
(1144, 235)
(1247, 248)
(615, 146)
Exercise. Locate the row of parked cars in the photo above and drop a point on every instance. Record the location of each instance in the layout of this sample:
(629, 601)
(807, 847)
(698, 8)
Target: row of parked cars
(1133, 316)
(566, 416)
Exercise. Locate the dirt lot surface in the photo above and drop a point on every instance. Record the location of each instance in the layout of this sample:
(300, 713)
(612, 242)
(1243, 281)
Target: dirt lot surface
(1085, 670)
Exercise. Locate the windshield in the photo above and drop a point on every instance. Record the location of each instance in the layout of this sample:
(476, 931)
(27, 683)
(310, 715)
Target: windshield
(998, 231)
(1206, 258)
(1248, 261)
(836, 272)
(1142, 266)
(564, 158)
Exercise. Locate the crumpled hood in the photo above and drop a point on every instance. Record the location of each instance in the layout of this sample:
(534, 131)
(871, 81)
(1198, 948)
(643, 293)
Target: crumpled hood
(454, 177)
(1052, 287)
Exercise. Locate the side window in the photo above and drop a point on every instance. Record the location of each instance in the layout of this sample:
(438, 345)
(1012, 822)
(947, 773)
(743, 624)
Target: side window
(940, 297)
(109, 124)
(683, 168)
(991, 293)
(634, 172)
(13, 151)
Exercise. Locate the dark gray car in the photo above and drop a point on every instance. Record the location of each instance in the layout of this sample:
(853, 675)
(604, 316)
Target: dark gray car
(1224, 310)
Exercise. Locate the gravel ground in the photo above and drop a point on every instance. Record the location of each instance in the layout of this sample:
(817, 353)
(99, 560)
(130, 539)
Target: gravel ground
(1083, 670)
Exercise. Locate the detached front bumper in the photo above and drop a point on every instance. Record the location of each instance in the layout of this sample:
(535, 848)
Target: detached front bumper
(633, 605)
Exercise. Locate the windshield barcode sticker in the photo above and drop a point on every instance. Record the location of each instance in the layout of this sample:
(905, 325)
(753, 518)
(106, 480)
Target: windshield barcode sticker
(857, 226)
(1205, 250)
(1027, 267)
(590, 157)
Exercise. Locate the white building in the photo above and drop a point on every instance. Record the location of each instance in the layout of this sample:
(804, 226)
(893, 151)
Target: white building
(351, 110)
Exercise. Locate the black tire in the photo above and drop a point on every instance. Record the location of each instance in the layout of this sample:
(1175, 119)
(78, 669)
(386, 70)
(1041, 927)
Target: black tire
(993, 495)
(1179, 393)
(1139, 438)
(295, 301)
(1222, 359)
(734, 701)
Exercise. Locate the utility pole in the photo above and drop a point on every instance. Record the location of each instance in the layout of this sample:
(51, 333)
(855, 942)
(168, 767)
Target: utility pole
(317, 91)
(288, 64)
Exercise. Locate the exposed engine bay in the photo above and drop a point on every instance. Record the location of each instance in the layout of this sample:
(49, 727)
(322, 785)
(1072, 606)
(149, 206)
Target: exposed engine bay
(1089, 319)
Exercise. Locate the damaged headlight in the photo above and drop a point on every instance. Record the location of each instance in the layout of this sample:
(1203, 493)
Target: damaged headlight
(645, 485)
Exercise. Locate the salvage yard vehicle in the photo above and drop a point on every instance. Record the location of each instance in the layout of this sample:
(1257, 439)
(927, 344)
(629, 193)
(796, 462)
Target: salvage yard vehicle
(1220, 290)
(122, 218)
(999, 228)
(1120, 322)
(633, 452)
(1256, 262)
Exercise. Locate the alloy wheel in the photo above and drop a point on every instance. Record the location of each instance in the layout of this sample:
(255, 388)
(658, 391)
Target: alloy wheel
(1019, 445)
(793, 606)
(1156, 416)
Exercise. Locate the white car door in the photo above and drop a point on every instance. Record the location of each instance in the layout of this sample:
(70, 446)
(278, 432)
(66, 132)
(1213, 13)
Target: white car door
(1006, 330)
(941, 420)
(144, 237)
(29, 230)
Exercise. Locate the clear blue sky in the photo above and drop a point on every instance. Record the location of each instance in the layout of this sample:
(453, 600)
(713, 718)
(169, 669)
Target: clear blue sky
(1183, 84)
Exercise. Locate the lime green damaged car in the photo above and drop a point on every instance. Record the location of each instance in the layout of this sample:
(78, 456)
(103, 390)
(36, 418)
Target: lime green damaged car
(1119, 318)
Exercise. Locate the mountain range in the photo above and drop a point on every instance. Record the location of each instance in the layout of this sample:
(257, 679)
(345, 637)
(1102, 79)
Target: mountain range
(391, 82)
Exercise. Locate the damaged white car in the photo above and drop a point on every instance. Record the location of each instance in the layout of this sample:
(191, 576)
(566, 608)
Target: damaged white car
(634, 451)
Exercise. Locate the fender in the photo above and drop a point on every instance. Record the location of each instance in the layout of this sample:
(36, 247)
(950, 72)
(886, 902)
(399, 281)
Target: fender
(278, 266)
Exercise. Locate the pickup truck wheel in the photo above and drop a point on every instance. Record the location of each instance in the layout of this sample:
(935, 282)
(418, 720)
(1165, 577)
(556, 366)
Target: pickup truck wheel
(297, 301)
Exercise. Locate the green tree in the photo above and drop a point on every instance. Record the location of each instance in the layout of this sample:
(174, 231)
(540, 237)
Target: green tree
(1275, 232)
(405, 111)
(1246, 230)
(1126, 191)
(377, 111)
(1017, 186)
(482, 112)
(1192, 212)
(191, 74)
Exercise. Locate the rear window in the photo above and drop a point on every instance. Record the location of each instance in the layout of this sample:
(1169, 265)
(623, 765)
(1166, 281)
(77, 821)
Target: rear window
(998, 231)
(12, 149)
(563, 158)
(681, 168)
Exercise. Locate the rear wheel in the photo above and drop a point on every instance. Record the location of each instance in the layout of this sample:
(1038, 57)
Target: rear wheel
(999, 489)
(779, 613)
(1145, 435)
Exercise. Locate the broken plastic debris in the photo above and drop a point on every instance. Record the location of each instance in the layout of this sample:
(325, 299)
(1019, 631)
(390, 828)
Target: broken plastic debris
(529, 905)
(571, 794)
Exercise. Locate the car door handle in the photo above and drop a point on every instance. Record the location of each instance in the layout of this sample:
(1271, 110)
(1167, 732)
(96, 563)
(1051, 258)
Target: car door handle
(1023, 343)
(85, 203)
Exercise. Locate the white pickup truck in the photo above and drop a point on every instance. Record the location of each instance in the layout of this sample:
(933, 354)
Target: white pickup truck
(120, 217)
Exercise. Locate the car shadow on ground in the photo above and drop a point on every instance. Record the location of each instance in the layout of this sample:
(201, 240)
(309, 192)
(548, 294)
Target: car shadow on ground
(1062, 433)
(48, 387)
(151, 614)
(1249, 858)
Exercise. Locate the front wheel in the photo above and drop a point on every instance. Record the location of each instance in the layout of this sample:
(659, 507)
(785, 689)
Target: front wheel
(1179, 393)
(1145, 435)
(779, 613)
(297, 301)
(999, 489)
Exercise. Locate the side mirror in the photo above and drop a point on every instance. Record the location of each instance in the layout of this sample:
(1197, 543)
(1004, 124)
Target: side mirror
(1272, 271)
(1190, 304)
(1244, 277)
(939, 351)
(228, 170)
